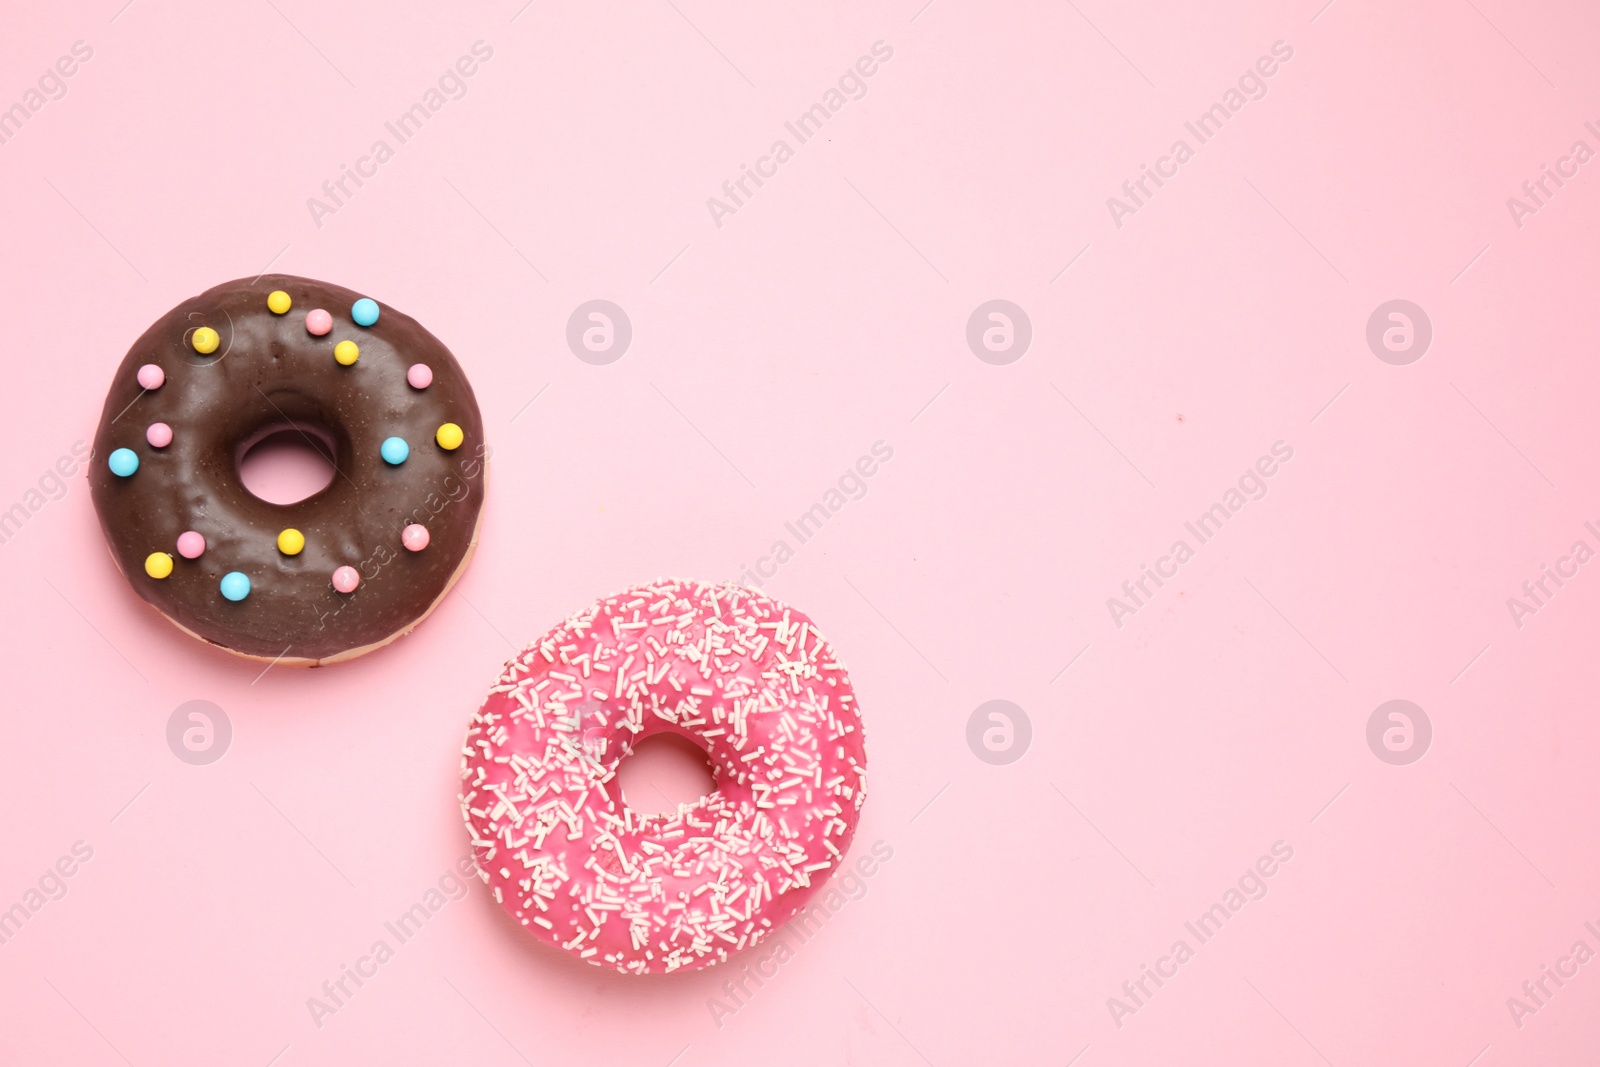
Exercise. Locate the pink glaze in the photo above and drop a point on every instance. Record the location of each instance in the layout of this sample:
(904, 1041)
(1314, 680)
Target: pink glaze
(151, 376)
(414, 537)
(345, 579)
(191, 545)
(420, 376)
(318, 321)
(746, 678)
(159, 434)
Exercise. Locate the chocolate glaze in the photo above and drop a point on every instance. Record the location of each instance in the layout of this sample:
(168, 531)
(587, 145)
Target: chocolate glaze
(269, 373)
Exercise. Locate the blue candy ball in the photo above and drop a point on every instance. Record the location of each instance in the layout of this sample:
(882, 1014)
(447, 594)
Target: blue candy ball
(235, 585)
(123, 462)
(365, 311)
(395, 450)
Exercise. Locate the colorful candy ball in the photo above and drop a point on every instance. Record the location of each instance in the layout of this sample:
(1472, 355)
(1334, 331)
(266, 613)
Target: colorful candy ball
(346, 352)
(420, 375)
(291, 542)
(191, 545)
(151, 376)
(123, 462)
(235, 585)
(205, 340)
(345, 579)
(414, 537)
(318, 322)
(395, 450)
(449, 437)
(158, 564)
(364, 311)
(159, 434)
(278, 302)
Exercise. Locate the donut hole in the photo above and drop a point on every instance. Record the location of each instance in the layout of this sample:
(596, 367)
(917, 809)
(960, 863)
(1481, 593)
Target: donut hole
(662, 772)
(287, 464)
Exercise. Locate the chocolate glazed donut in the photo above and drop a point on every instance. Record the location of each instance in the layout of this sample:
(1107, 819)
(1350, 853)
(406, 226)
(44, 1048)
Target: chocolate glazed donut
(332, 576)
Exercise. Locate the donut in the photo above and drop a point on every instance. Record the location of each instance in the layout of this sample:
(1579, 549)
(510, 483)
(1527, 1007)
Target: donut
(333, 576)
(747, 679)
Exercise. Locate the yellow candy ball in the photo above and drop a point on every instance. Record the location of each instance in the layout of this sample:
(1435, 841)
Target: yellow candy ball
(278, 302)
(205, 340)
(291, 541)
(158, 564)
(346, 352)
(449, 437)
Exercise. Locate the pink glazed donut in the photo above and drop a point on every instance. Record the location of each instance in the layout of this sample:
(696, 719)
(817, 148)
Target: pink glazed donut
(746, 678)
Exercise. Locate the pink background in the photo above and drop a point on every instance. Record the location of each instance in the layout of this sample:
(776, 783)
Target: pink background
(826, 314)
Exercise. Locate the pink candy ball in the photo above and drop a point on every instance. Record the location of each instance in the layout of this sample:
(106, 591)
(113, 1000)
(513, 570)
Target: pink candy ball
(414, 537)
(420, 375)
(191, 545)
(318, 321)
(345, 579)
(151, 376)
(159, 434)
